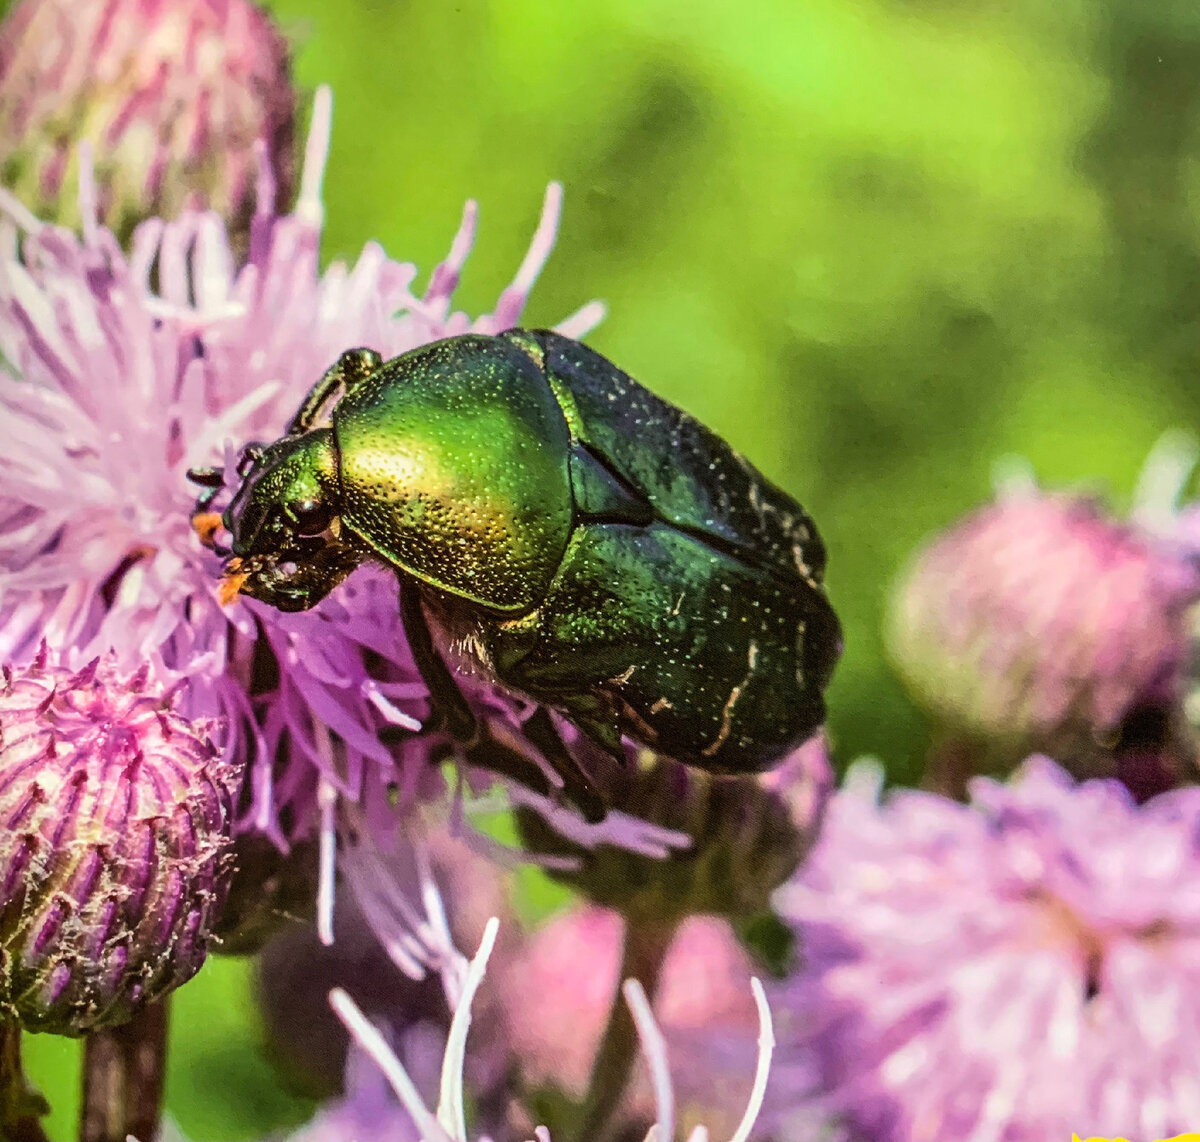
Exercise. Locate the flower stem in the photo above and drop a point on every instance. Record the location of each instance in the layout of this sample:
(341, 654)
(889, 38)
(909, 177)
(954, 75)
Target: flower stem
(20, 1105)
(123, 1072)
(951, 762)
(645, 948)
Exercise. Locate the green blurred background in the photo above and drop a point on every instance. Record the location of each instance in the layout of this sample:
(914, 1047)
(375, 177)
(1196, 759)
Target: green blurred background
(876, 243)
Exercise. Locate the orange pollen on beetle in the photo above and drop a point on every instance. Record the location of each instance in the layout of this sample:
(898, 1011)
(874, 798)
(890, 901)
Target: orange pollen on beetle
(231, 582)
(206, 525)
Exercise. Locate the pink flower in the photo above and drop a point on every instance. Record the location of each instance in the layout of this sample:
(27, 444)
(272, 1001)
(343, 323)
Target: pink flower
(409, 983)
(558, 991)
(368, 1110)
(172, 97)
(737, 839)
(449, 1122)
(1014, 969)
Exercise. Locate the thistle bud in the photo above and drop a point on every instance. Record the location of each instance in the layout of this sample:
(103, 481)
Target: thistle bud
(268, 892)
(172, 98)
(1040, 622)
(748, 836)
(115, 818)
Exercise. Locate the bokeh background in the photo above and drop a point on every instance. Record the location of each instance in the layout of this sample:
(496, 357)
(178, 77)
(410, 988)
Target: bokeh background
(878, 244)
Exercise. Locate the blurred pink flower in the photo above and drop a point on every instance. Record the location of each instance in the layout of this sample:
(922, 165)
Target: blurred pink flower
(368, 1110)
(408, 984)
(1041, 622)
(172, 96)
(1010, 970)
(742, 837)
(747, 837)
(559, 988)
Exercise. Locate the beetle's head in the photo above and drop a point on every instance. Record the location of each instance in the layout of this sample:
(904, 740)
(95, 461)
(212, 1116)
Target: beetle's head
(285, 524)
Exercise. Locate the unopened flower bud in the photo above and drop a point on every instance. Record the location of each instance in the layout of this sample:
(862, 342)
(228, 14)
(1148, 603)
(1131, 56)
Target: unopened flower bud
(172, 97)
(269, 891)
(748, 836)
(115, 818)
(1041, 622)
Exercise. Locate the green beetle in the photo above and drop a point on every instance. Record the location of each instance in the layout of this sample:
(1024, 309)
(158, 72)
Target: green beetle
(582, 542)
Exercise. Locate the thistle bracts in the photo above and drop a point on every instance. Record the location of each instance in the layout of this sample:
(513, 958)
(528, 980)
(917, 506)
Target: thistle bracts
(115, 818)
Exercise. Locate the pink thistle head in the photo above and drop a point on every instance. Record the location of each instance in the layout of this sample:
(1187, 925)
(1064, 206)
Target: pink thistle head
(115, 825)
(1042, 622)
(119, 371)
(744, 836)
(1006, 969)
(173, 98)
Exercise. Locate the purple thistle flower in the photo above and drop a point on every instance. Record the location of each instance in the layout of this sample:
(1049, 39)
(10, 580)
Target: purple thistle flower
(124, 370)
(748, 835)
(742, 837)
(1011, 970)
(1043, 623)
(368, 1110)
(172, 97)
(115, 830)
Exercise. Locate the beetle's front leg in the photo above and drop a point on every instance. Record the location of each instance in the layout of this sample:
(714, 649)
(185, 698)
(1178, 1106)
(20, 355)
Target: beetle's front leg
(351, 367)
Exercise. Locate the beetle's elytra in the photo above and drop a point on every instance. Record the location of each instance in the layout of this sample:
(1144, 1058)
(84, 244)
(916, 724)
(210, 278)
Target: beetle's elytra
(598, 549)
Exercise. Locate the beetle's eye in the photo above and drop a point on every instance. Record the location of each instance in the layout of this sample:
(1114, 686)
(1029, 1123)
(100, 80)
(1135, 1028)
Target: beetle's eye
(311, 517)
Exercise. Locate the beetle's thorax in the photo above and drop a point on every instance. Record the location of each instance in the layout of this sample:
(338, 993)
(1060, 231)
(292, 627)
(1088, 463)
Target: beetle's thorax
(453, 466)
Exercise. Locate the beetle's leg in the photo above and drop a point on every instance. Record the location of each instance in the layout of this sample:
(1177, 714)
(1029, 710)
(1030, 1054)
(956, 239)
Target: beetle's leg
(497, 757)
(211, 480)
(544, 736)
(352, 366)
(448, 709)
(449, 712)
(488, 754)
(603, 732)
